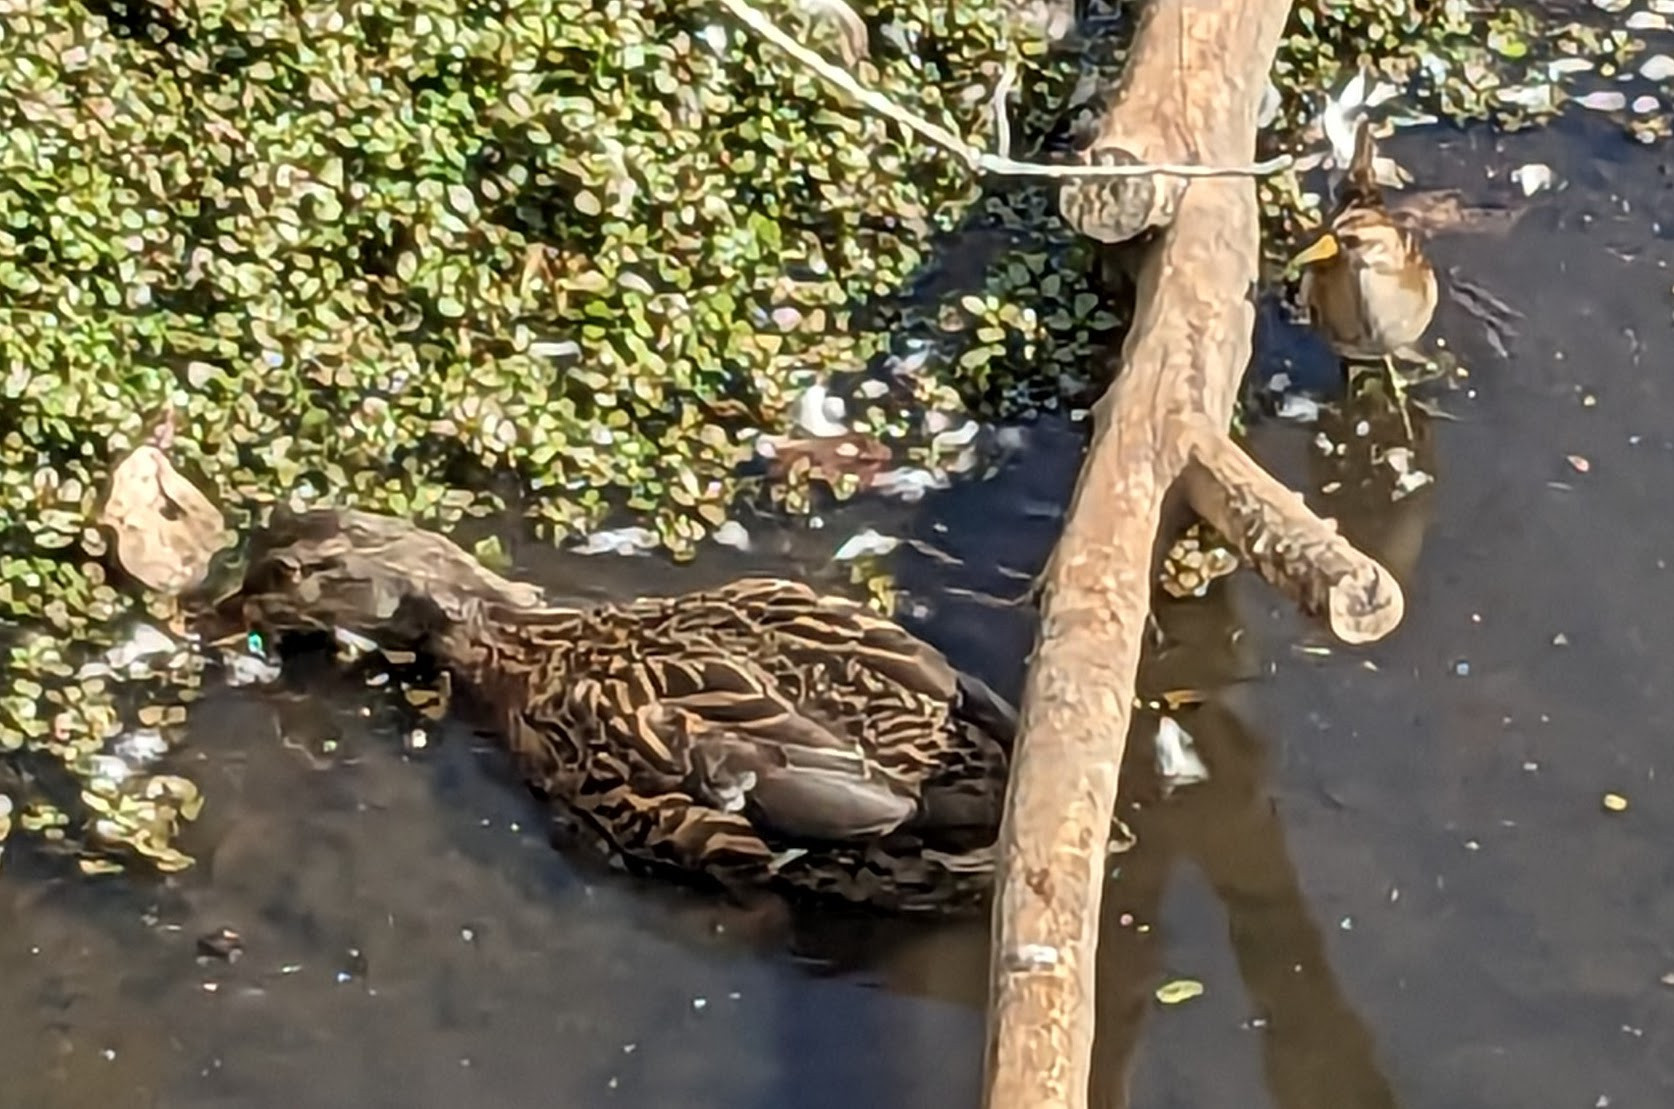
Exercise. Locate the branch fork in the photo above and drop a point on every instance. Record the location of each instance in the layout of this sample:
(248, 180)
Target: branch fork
(1191, 94)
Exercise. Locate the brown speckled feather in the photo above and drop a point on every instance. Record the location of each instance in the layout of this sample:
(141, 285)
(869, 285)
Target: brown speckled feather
(757, 731)
(1374, 296)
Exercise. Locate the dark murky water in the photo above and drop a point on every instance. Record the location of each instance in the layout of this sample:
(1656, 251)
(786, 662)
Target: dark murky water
(1399, 886)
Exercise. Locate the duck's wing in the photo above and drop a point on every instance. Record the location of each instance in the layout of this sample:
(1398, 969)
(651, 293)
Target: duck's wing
(812, 628)
(707, 721)
(818, 630)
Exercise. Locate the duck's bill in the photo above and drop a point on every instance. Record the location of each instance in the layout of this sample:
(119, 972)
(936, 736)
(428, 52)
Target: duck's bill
(1324, 247)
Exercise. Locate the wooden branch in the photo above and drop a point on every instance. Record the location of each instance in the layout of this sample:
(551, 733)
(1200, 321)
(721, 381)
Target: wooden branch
(1294, 550)
(1191, 93)
(1155, 119)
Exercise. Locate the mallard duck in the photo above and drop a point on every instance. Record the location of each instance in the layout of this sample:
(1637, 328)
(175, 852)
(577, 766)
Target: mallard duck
(1365, 281)
(758, 733)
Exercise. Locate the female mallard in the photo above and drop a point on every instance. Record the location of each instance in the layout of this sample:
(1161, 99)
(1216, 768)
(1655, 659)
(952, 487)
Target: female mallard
(756, 733)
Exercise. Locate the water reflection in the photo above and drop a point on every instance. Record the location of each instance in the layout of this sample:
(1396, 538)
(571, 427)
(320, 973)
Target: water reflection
(82, 1046)
(1316, 1050)
(1363, 471)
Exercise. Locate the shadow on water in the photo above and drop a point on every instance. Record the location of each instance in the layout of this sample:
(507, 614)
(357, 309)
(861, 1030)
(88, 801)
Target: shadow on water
(1397, 886)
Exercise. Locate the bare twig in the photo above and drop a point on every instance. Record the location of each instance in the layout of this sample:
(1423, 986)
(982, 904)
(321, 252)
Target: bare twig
(979, 160)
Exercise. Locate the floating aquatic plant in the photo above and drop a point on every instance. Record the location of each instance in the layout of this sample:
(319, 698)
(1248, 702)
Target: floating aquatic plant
(400, 254)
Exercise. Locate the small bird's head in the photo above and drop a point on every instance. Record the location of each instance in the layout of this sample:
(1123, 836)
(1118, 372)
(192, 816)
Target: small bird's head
(1364, 240)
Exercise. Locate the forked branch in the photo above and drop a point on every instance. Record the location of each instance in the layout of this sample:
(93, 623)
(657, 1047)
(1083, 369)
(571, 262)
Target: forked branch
(1190, 94)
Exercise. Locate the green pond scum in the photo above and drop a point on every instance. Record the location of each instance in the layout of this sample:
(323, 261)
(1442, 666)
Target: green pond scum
(397, 252)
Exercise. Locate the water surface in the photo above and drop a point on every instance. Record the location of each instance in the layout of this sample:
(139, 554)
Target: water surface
(1399, 886)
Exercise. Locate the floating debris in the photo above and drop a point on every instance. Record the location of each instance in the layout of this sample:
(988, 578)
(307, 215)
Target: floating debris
(1410, 482)
(144, 643)
(1122, 838)
(105, 772)
(1299, 407)
(1615, 802)
(1340, 116)
(1658, 67)
(909, 483)
(245, 668)
(1407, 479)
(1605, 101)
(911, 363)
(1533, 177)
(820, 414)
(1578, 463)
(1194, 561)
(733, 534)
(618, 541)
(167, 531)
(223, 943)
(1563, 67)
(351, 645)
(865, 543)
(1179, 990)
(1178, 764)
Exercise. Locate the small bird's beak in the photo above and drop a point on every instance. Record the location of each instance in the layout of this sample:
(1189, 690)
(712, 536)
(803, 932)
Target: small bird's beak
(1324, 247)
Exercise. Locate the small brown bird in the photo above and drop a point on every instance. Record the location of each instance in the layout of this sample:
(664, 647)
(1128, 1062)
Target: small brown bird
(1365, 281)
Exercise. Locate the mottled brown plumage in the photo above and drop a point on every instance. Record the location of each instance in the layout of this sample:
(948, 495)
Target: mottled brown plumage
(756, 733)
(1366, 282)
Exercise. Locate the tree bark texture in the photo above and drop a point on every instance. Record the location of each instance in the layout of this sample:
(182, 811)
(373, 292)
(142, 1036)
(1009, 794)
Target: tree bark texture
(1191, 93)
